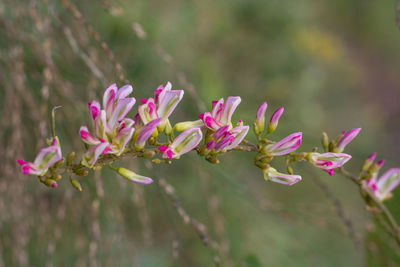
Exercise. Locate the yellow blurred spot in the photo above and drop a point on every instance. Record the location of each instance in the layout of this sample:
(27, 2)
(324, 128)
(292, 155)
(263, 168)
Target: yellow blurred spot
(320, 45)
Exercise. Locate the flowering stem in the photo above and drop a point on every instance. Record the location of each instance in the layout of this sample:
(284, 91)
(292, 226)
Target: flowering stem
(369, 197)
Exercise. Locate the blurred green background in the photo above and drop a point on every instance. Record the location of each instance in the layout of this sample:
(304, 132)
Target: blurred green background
(334, 65)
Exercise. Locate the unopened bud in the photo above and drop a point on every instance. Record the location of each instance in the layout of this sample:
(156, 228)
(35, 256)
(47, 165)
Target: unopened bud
(368, 162)
(212, 160)
(56, 177)
(81, 171)
(149, 154)
(58, 164)
(77, 185)
(156, 161)
(239, 123)
(273, 123)
(50, 183)
(168, 128)
(262, 165)
(376, 167)
(155, 133)
(182, 126)
(332, 146)
(301, 156)
(152, 141)
(367, 176)
(289, 169)
(325, 141)
(259, 124)
(70, 158)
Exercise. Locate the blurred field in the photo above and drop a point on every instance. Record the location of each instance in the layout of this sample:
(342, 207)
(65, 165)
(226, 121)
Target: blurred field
(333, 65)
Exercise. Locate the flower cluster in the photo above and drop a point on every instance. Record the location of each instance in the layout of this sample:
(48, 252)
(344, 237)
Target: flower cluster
(112, 130)
(380, 187)
(333, 158)
(45, 159)
(222, 136)
(268, 149)
(114, 134)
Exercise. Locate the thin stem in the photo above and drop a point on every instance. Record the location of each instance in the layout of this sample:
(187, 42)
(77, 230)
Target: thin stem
(370, 197)
(53, 121)
(339, 210)
(199, 228)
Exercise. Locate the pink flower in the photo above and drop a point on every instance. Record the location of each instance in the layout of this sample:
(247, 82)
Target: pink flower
(46, 158)
(221, 113)
(281, 178)
(224, 139)
(116, 104)
(239, 133)
(161, 106)
(225, 142)
(94, 152)
(145, 132)
(347, 138)
(383, 186)
(183, 143)
(110, 124)
(285, 146)
(328, 161)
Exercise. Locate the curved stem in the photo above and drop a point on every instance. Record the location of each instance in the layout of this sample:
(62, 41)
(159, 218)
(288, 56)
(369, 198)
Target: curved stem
(370, 197)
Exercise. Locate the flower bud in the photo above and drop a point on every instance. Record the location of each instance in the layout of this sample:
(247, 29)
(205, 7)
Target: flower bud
(368, 162)
(260, 119)
(77, 185)
(289, 169)
(58, 164)
(50, 183)
(70, 158)
(168, 128)
(183, 126)
(80, 171)
(130, 175)
(56, 177)
(149, 154)
(376, 167)
(212, 159)
(210, 145)
(325, 141)
(300, 156)
(156, 161)
(273, 123)
(332, 146)
(262, 165)
(239, 123)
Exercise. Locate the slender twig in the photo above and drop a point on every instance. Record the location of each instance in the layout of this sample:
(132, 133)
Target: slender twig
(339, 210)
(370, 197)
(199, 228)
